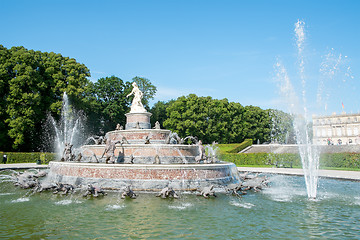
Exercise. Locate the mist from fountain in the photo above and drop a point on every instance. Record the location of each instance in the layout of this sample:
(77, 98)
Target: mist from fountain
(309, 153)
(69, 129)
(298, 106)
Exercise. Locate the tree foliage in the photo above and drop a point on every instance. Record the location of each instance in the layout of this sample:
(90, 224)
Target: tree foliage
(282, 129)
(220, 120)
(107, 103)
(208, 119)
(256, 124)
(31, 84)
(158, 112)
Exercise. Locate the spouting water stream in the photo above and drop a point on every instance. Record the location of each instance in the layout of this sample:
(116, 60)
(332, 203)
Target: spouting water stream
(309, 154)
(68, 128)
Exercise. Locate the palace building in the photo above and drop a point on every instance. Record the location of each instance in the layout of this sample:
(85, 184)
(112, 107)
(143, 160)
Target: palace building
(336, 129)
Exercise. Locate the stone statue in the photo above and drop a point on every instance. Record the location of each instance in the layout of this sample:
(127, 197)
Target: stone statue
(128, 193)
(147, 140)
(167, 192)
(256, 183)
(67, 153)
(109, 151)
(28, 179)
(234, 189)
(94, 191)
(79, 157)
(124, 140)
(157, 125)
(207, 192)
(136, 105)
(119, 127)
(157, 159)
(201, 155)
(173, 138)
(64, 188)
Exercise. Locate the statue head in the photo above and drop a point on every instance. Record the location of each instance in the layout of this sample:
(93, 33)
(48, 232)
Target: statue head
(134, 84)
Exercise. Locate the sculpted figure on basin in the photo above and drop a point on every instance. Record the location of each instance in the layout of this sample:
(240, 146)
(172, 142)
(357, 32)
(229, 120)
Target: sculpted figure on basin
(136, 105)
(109, 151)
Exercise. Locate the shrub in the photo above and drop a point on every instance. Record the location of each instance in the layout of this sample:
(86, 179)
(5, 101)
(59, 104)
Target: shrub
(235, 147)
(262, 158)
(32, 157)
(338, 160)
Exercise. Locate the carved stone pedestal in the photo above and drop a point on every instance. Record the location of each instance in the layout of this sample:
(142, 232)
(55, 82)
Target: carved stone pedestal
(138, 120)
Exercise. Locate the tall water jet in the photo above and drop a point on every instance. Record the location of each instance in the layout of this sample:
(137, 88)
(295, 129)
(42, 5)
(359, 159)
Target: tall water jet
(69, 127)
(309, 153)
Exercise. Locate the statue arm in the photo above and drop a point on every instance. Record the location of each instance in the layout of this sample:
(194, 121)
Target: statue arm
(132, 92)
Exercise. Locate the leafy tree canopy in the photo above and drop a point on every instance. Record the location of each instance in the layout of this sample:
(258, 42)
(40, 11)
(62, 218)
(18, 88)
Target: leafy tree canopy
(107, 103)
(31, 84)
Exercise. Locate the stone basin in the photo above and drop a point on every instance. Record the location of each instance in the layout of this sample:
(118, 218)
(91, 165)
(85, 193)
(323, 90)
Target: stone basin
(144, 177)
(146, 153)
(137, 136)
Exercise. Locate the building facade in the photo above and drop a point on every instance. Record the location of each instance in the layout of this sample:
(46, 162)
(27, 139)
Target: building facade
(336, 129)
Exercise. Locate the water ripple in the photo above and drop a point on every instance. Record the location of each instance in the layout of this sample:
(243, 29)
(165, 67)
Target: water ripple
(26, 199)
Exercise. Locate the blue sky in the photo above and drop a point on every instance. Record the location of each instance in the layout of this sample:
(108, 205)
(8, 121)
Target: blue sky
(223, 49)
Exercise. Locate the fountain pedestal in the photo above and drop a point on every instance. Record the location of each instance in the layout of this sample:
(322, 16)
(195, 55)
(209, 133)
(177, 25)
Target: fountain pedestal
(133, 119)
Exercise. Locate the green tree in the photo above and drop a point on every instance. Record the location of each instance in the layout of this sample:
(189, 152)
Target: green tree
(256, 124)
(32, 83)
(281, 125)
(158, 112)
(5, 77)
(107, 103)
(206, 118)
(147, 88)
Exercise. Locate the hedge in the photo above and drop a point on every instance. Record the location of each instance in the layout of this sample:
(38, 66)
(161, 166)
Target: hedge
(235, 147)
(262, 158)
(338, 160)
(32, 157)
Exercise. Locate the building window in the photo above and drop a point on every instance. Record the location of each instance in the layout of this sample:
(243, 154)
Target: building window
(356, 131)
(349, 132)
(329, 133)
(338, 131)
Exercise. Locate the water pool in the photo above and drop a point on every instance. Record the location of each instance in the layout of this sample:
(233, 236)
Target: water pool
(281, 211)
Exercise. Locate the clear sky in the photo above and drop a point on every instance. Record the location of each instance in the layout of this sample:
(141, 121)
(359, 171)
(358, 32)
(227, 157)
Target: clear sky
(222, 49)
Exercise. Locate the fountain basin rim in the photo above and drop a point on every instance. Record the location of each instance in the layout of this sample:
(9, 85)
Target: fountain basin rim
(145, 166)
(152, 145)
(139, 130)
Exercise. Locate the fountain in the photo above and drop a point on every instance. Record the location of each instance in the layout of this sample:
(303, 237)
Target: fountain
(67, 130)
(309, 153)
(148, 159)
